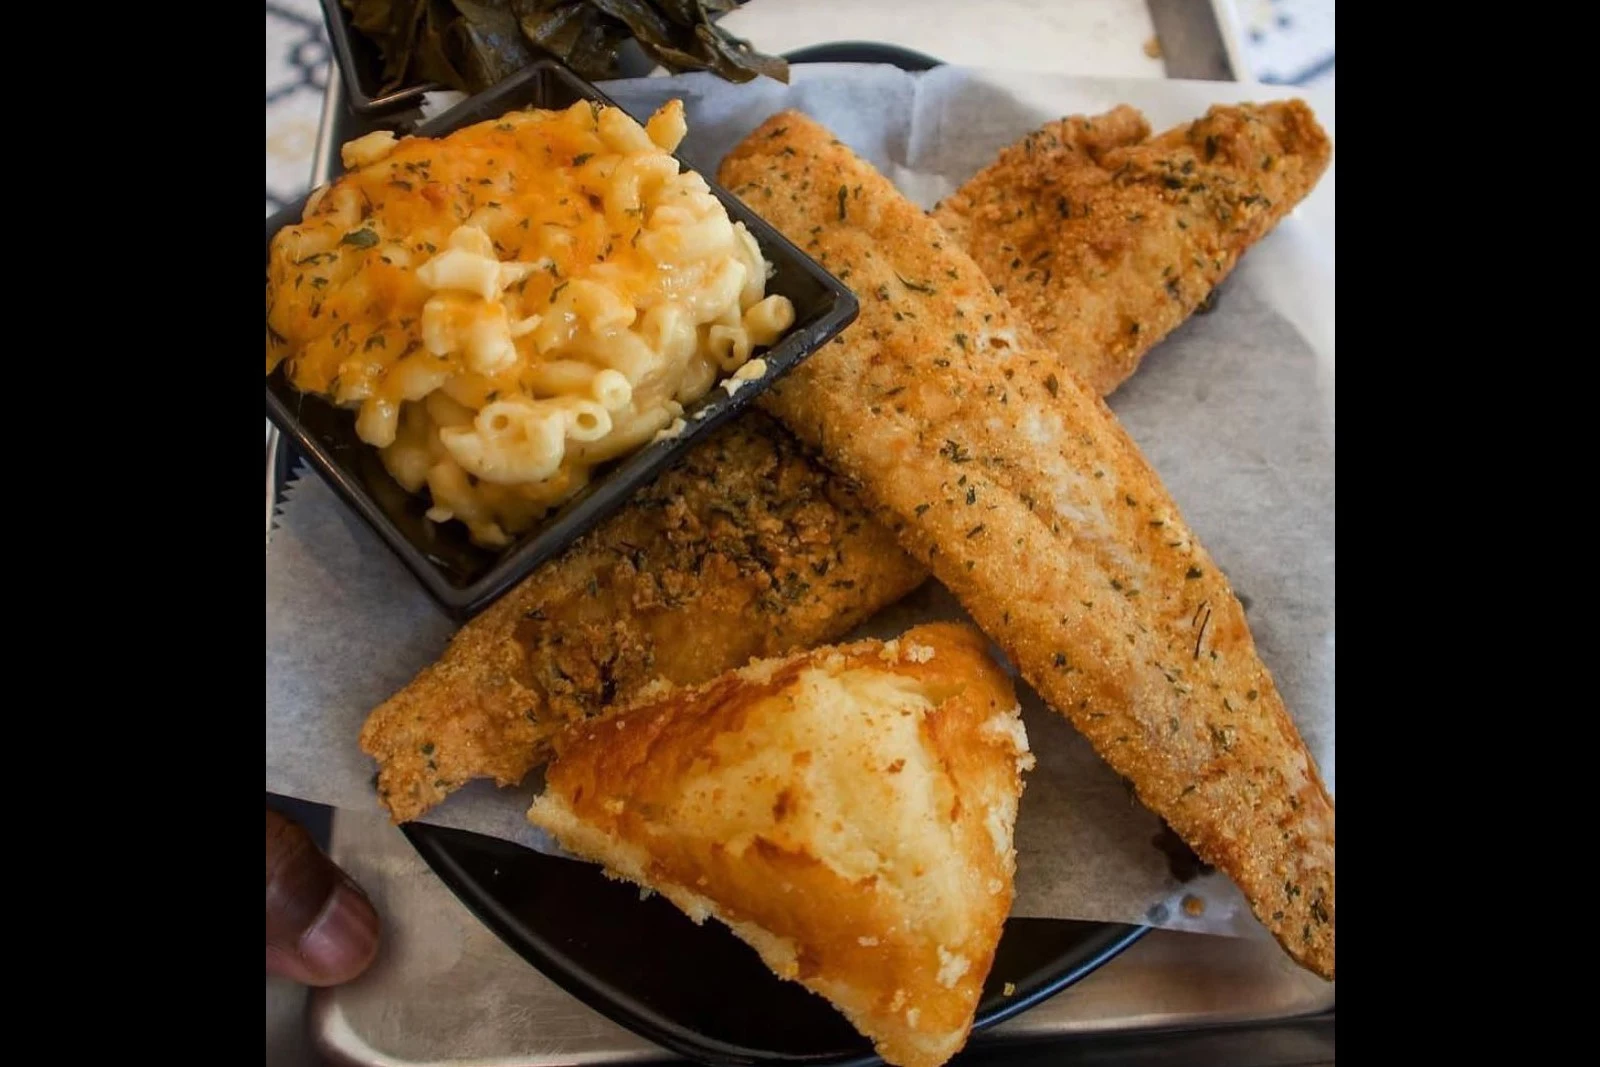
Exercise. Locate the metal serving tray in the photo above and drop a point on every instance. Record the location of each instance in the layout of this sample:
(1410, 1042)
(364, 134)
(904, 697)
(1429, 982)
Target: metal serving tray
(447, 992)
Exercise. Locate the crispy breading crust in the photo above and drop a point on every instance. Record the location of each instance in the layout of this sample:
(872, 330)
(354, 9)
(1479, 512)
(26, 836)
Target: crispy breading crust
(1073, 222)
(469, 716)
(1038, 512)
(848, 812)
(745, 548)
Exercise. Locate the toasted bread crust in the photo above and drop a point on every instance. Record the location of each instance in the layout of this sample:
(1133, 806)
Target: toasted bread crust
(846, 811)
(1032, 505)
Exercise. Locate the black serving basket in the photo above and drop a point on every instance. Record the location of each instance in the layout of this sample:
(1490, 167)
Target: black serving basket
(464, 577)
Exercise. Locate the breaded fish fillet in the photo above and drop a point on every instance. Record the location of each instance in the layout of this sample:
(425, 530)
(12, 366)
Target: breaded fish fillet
(746, 548)
(1074, 221)
(469, 716)
(847, 812)
(1030, 502)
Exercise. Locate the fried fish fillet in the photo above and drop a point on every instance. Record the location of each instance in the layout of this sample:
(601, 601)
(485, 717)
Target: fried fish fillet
(847, 812)
(1075, 221)
(746, 548)
(1031, 503)
(487, 708)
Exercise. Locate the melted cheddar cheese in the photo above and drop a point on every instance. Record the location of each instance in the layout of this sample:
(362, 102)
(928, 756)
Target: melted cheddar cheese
(515, 303)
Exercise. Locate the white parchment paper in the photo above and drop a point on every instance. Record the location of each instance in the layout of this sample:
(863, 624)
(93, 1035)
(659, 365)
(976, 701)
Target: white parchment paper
(1235, 410)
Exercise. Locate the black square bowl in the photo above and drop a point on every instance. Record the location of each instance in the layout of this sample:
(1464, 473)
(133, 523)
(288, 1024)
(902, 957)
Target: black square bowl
(362, 67)
(463, 577)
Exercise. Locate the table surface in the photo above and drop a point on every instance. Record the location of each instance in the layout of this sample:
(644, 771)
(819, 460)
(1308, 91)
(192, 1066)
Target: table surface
(1274, 41)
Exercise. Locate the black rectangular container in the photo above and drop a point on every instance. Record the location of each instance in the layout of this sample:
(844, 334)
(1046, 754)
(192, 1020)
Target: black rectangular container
(362, 67)
(464, 577)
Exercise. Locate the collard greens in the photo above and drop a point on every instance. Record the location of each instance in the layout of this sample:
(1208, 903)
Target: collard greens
(472, 44)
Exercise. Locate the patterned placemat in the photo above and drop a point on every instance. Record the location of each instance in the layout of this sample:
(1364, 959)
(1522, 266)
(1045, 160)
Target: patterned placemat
(1288, 42)
(297, 77)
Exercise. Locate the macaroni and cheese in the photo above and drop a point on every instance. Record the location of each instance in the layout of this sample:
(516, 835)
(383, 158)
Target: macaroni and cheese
(512, 305)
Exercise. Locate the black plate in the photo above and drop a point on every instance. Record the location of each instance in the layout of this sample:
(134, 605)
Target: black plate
(864, 52)
(698, 990)
(461, 576)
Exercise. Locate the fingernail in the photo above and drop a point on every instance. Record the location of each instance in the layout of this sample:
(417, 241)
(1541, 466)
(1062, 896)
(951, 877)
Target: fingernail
(340, 942)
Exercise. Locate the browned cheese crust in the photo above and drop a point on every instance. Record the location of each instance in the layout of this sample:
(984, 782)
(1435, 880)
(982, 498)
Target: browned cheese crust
(1035, 508)
(1075, 221)
(746, 548)
(848, 812)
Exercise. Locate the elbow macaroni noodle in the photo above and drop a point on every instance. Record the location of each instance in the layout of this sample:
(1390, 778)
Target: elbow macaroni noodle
(517, 303)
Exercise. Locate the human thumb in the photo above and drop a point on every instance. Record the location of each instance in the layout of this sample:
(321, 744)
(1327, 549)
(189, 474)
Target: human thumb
(321, 929)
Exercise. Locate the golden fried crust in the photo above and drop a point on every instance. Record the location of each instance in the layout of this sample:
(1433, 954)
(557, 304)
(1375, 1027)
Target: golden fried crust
(1038, 512)
(549, 652)
(1075, 221)
(847, 811)
(744, 549)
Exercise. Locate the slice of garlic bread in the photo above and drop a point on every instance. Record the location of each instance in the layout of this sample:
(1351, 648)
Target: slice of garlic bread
(848, 812)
